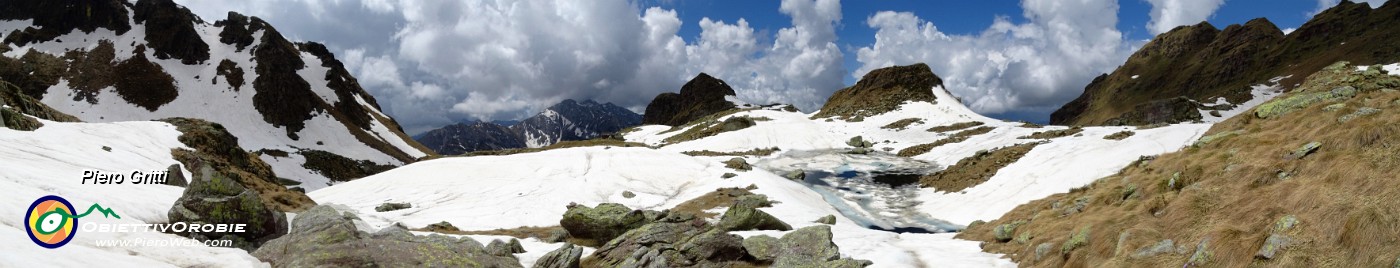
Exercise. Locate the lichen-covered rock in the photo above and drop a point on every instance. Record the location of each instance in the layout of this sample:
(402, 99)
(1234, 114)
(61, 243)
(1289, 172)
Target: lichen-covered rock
(753, 201)
(828, 220)
(1304, 151)
(1079, 239)
(745, 218)
(1005, 232)
(714, 245)
(628, 194)
(16, 121)
(392, 207)
(812, 247)
(1164, 246)
(738, 163)
(762, 247)
(324, 237)
(727, 175)
(1043, 249)
(567, 256)
(603, 223)
(1202, 254)
(1364, 111)
(213, 198)
(505, 249)
(1298, 101)
(796, 175)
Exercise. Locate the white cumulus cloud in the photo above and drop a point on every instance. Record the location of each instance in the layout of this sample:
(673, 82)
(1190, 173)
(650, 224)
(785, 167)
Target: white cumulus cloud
(1029, 68)
(1168, 14)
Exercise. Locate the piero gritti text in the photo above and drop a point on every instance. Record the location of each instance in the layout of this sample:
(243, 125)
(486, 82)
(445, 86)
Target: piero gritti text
(133, 177)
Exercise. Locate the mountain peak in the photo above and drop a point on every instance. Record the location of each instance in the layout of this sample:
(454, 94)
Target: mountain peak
(701, 96)
(883, 90)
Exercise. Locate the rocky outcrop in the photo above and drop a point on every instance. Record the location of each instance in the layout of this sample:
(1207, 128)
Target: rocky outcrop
(882, 90)
(325, 237)
(604, 222)
(11, 95)
(170, 31)
(213, 198)
(1201, 62)
(703, 95)
(215, 148)
(567, 256)
(59, 17)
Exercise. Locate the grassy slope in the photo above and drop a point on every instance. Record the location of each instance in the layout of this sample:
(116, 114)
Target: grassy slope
(1230, 192)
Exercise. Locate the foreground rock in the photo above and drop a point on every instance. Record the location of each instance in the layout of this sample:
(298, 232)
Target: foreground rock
(213, 198)
(704, 95)
(683, 240)
(605, 222)
(324, 237)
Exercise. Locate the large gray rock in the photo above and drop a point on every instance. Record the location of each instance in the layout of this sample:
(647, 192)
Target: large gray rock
(745, 218)
(812, 247)
(176, 176)
(762, 247)
(605, 222)
(567, 256)
(214, 198)
(325, 237)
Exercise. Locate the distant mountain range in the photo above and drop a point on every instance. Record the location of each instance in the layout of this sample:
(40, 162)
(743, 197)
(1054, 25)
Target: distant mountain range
(569, 120)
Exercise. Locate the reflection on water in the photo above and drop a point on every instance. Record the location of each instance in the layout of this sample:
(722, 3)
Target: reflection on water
(877, 190)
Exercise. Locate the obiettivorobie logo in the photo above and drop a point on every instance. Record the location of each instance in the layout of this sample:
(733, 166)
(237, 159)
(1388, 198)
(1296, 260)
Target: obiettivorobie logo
(51, 223)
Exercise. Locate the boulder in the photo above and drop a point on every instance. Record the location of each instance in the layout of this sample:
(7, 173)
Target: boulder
(812, 247)
(745, 218)
(505, 249)
(603, 223)
(628, 194)
(702, 96)
(1164, 246)
(567, 256)
(176, 176)
(762, 247)
(828, 220)
(738, 163)
(1304, 151)
(796, 175)
(392, 207)
(214, 198)
(324, 237)
(753, 201)
(714, 245)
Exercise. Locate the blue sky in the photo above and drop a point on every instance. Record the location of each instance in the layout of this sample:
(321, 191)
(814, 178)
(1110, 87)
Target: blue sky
(962, 17)
(432, 63)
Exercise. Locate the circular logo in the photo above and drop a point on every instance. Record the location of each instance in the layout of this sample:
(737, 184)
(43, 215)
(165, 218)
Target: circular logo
(50, 222)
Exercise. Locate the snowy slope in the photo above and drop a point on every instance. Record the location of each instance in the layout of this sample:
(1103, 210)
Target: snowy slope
(51, 160)
(1058, 166)
(489, 192)
(205, 95)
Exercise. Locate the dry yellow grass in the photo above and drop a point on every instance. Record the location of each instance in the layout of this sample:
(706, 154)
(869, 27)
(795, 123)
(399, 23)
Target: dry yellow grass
(1231, 192)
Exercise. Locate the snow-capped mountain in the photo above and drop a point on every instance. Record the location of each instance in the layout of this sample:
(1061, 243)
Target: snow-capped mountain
(106, 61)
(568, 120)
(572, 120)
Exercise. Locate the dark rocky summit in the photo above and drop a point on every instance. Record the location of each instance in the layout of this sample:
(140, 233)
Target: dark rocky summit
(703, 95)
(882, 90)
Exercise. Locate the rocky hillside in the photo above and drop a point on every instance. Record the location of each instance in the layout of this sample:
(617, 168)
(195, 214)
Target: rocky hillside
(105, 61)
(1300, 181)
(568, 120)
(882, 90)
(1190, 68)
(701, 96)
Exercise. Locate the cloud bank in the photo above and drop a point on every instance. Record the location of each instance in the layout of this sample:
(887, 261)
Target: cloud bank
(431, 63)
(1031, 67)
